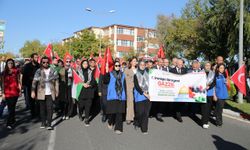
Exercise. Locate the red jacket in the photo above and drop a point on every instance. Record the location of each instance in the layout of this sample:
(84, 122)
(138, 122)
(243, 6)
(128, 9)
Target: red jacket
(11, 87)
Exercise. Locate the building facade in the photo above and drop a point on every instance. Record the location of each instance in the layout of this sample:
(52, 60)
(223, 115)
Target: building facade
(126, 38)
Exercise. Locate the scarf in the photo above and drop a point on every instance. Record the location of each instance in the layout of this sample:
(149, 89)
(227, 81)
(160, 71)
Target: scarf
(85, 74)
(210, 77)
(118, 83)
(143, 79)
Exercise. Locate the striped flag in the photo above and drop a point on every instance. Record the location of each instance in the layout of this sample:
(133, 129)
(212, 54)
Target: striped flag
(77, 85)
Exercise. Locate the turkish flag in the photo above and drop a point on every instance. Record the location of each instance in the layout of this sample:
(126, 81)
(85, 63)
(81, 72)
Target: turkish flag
(67, 56)
(49, 52)
(56, 56)
(161, 53)
(107, 60)
(239, 79)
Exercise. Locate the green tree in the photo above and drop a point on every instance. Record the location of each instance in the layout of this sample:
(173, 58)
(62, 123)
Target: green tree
(31, 47)
(85, 44)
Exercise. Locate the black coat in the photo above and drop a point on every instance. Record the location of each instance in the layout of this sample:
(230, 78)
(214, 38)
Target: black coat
(174, 70)
(89, 93)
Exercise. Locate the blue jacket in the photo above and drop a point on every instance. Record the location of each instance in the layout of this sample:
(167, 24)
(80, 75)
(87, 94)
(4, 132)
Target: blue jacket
(210, 92)
(139, 97)
(221, 88)
(112, 95)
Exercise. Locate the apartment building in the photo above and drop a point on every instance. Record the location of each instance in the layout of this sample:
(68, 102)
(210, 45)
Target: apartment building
(126, 38)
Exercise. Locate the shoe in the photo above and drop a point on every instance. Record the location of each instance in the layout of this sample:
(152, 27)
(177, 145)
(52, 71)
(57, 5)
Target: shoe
(205, 126)
(110, 127)
(80, 118)
(159, 118)
(43, 126)
(145, 133)
(67, 118)
(136, 127)
(86, 123)
(128, 122)
(179, 119)
(118, 132)
(9, 127)
(49, 128)
(63, 118)
(104, 118)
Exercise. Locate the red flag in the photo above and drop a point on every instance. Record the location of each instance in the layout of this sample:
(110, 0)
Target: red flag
(49, 52)
(56, 55)
(67, 56)
(99, 60)
(239, 79)
(39, 59)
(107, 60)
(76, 78)
(161, 53)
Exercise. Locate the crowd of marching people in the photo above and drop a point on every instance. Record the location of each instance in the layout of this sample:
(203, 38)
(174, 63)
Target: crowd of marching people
(121, 93)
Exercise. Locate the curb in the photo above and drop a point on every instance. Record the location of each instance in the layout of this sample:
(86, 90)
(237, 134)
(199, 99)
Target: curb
(237, 115)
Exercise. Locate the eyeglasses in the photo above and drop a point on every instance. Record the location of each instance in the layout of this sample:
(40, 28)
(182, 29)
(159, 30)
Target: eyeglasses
(68, 61)
(10, 63)
(117, 65)
(45, 62)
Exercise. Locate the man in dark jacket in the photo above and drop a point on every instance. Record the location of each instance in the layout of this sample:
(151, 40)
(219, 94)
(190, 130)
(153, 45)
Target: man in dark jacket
(27, 78)
(179, 69)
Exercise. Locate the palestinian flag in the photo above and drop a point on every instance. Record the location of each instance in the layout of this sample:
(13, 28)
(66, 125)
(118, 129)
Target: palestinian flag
(77, 85)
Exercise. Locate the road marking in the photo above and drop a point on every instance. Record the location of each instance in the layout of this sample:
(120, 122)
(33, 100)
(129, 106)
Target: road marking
(245, 121)
(52, 137)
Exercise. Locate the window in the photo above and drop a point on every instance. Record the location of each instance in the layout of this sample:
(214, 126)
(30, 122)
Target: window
(154, 46)
(125, 31)
(140, 49)
(140, 39)
(126, 43)
(119, 30)
(152, 34)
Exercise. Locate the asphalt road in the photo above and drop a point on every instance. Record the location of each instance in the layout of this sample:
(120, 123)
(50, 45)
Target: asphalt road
(169, 135)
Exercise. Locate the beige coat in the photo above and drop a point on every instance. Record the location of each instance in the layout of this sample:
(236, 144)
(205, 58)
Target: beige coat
(38, 85)
(129, 76)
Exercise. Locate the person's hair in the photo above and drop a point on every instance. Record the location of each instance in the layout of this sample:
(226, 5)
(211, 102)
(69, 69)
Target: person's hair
(7, 69)
(124, 63)
(33, 54)
(91, 59)
(44, 57)
(217, 69)
(130, 60)
(83, 62)
(60, 61)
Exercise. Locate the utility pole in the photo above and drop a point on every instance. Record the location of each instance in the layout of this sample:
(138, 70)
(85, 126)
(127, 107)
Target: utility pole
(240, 95)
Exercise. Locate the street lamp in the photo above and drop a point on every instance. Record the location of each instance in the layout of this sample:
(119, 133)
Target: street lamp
(91, 10)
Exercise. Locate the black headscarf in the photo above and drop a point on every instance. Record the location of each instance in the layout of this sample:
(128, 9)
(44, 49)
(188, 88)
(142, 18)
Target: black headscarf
(118, 83)
(139, 69)
(85, 71)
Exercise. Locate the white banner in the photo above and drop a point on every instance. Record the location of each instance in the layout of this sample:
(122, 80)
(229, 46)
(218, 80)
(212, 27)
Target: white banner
(169, 87)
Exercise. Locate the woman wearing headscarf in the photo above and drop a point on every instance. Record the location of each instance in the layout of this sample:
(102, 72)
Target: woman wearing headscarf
(142, 103)
(88, 91)
(116, 97)
(206, 107)
(129, 75)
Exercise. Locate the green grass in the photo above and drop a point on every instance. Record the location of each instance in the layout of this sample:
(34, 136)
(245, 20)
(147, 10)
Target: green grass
(242, 108)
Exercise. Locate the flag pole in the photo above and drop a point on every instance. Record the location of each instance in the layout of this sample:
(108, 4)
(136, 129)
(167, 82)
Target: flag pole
(240, 95)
